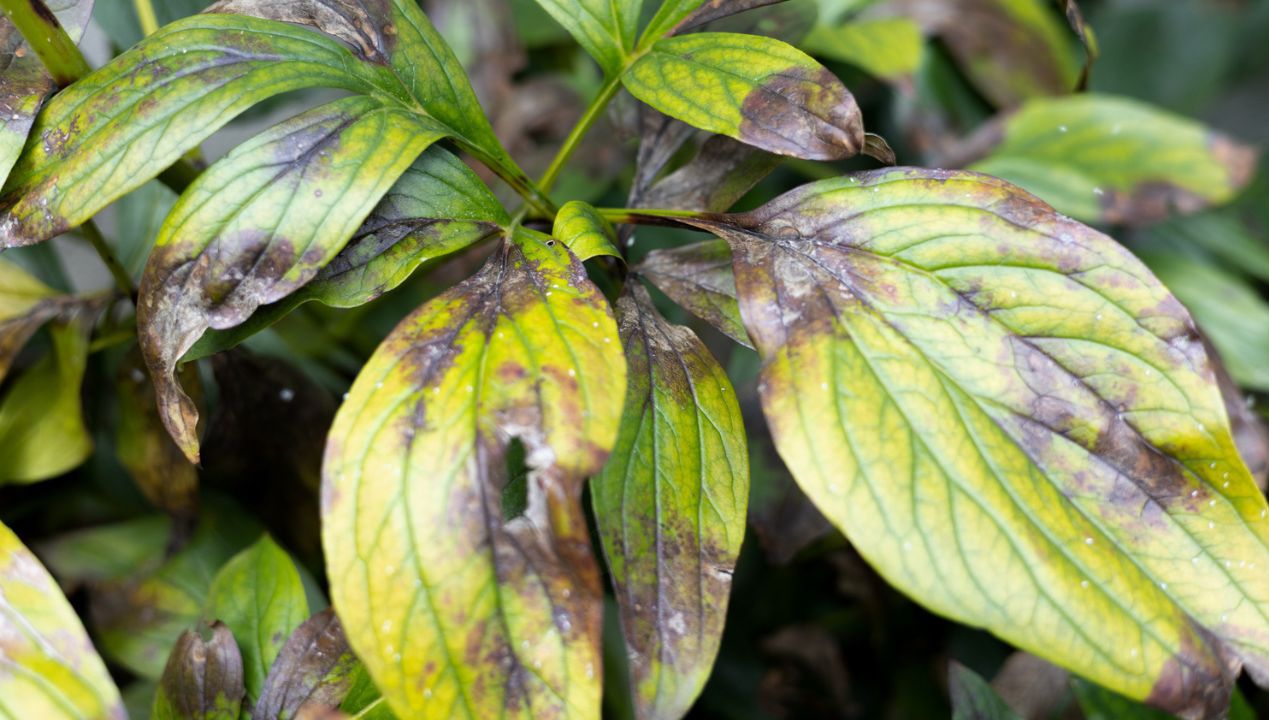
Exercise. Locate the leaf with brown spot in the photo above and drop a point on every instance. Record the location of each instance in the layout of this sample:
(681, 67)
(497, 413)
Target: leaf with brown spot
(24, 81)
(452, 607)
(363, 24)
(261, 223)
(699, 278)
(436, 208)
(313, 672)
(1013, 421)
(50, 668)
(1097, 158)
(755, 89)
(203, 678)
(670, 506)
(1011, 50)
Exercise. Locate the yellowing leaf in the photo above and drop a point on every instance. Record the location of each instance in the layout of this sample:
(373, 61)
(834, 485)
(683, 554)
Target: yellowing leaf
(670, 506)
(1101, 158)
(49, 667)
(1013, 421)
(454, 608)
(755, 89)
(260, 224)
(42, 432)
(584, 231)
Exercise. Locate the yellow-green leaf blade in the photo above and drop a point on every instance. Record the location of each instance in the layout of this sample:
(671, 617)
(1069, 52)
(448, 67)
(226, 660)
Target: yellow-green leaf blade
(605, 28)
(584, 231)
(25, 305)
(49, 667)
(260, 224)
(889, 48)
(1102, 158)
(1013, 421)
(755, 89)
(259, 597)
(454, 609)
(125, 123)
(670, 506)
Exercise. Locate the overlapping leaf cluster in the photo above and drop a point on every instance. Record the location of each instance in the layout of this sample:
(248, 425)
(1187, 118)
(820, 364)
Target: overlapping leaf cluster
(1002, 409)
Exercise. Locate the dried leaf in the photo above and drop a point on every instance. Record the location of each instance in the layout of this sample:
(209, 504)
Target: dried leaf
(699, 278)
(143, 446)
(720, 174)
(203, 678)
(413, 525)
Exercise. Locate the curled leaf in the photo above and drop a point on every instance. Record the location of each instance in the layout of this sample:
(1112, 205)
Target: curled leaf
(25, 305)
(584, 231)
(414, 529)
(758, 90)
(49, 668)
(670, 506)
(143, 446)
(261, 223)
(202, 679)
(1015, 424)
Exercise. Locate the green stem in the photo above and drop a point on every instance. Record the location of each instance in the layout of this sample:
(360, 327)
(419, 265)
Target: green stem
(94, 237)
(42, 31)
(574, 139)
(105, 342)
(146, 17)
(641, 216)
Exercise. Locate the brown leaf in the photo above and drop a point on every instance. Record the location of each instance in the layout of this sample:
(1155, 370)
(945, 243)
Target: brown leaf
(203, 678)
(699, 278)
(363, 24)
(146, 451)
(720, 174)
(312, 674)
(712, 10)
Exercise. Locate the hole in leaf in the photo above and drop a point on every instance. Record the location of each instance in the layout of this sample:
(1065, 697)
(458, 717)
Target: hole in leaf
(515, 494)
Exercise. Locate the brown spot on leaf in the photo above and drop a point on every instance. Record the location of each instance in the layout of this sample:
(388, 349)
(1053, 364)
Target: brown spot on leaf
(1194, 684)
(805, 113)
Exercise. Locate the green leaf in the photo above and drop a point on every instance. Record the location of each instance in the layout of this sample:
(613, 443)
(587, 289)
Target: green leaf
(107, 552)
(50, 669)
(259, 596)
(973, 698)
(584, 231)
(140, 617)
(26, 84)
(25, 305)
(1011, 50)
(42, 432)
(699, 278)
(438, 207)
(314, 671)
(1013, 421)
(452, 607)
(146, 451)
(679, 16)
(889, 48)
(261, 223)
(1102, 158)
(605, 28)
(670, 506)
(125, 123)
(1229, 309)
(203, 679)
(758, 90)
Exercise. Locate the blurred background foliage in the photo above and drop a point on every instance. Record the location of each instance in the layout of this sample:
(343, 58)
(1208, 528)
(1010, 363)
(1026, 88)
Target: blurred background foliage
(812, 631)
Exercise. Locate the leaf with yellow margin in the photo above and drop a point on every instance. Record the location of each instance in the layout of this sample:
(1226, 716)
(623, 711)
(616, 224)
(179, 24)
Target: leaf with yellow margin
(455, 609)
(1013, 421)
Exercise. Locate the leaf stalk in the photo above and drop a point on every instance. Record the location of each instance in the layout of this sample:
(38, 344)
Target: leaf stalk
(47, 37)
(574, 139)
